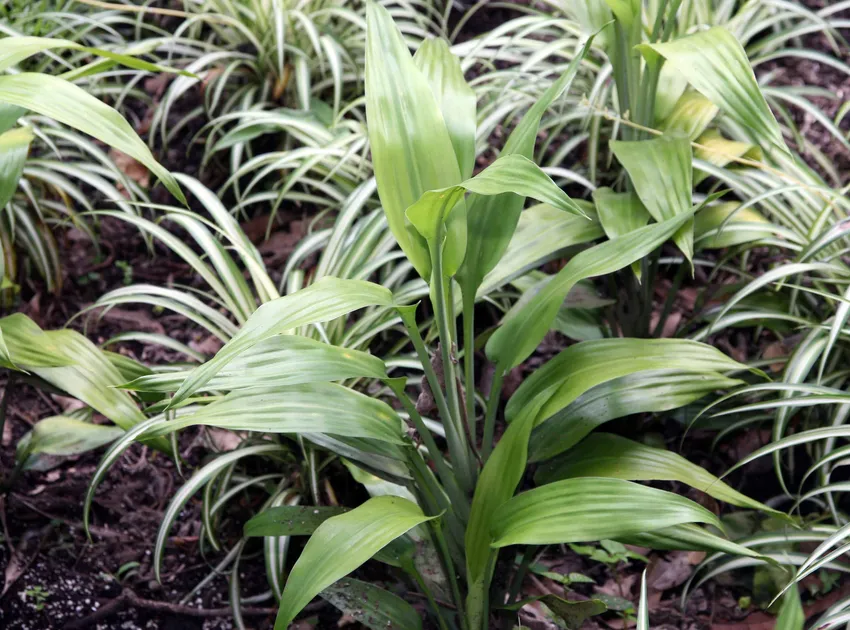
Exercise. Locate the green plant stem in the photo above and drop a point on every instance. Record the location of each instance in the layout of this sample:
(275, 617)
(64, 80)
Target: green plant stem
(456, 446)
(522, 569)
(670, 299)
(469, 364)
(443, 311)
(443, 548)
(429, 596)
(492, 408)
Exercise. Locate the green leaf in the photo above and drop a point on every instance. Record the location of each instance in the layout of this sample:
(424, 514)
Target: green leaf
(340, 545)
(73, 106)
(690, 116)
(590, 508)
(307, 408)
(725, 225)
(687, 537)
(14, 146)
(642, 392)
(453, 95)
(491, 221)
(62, 435)
(289, 520)
(643, 606)
(608, 455)
(517, 337)
(619, 213)
(542, 232)
(279, 360)
(9, 115)
(791, 615)
(662, 174)
(716, 64)
(322, 301)
(371, 606)
(509, 174)
(412, 150)
(573, 613)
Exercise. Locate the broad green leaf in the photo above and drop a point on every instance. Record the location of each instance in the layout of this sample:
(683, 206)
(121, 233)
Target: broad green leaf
(289, 520)
(9, 115)
(716, 64)
(724, 225)
(573, 613)
(73, 106)
(509, 174)
(491, 221)
(412, 150)
(279, 360)
(648, 391)
(322, 301)
(306, 408)
(453, 95)
(661, 172)
(791, 615)
(690, 116)
(340, 545)
(5, 356)
(590, 508)
(63, 435)
(14, 146)
(542, 232)
(517, 337)
(608, 455)
(619, 213)
(371, 606)
(589, 363)
(28, 346)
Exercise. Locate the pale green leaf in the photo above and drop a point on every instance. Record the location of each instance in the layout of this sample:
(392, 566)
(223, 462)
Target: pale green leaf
(619, 213)
(791, 615)
(63, 435)
(14, 146)
(716, 64)
(340, 545)
(690, 116)
(73, 106)
(588, 509)
(725, 225)
(322, 301)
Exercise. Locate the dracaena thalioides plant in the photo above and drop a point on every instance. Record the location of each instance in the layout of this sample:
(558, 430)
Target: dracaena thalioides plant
(455, 229)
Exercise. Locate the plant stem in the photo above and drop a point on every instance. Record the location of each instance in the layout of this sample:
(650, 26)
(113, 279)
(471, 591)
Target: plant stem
(443, 309)
(429, 596)
(469, 364)
(522, 569)
(450, 570)
(490, 417)
(455, 443)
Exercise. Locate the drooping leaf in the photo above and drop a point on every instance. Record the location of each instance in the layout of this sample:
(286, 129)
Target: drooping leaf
(340, 545)
(716, 64)
(608, 455)
(590, 508)
(322, 301)
(290, 520)
(687, 537)
(724, 225)
(63, 435)
(298, 409)
(619, 213)
(412, 150)
(279, 360)
(73, 106)
(371, 606)
(661, 172)
(509, 174)
(690, 116)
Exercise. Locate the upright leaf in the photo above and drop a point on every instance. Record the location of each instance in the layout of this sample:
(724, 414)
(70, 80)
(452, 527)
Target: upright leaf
(412, 150)
(14, 146)
(716, 64)
(340, 545)
(661, 172)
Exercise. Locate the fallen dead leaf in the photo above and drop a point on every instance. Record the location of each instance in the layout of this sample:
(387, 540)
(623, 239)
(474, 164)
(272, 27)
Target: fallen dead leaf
(671, 571)
(137, 320)
(207, 346)
(131, 167)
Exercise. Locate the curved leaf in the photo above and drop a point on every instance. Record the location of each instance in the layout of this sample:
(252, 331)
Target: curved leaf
(371, 606)
(340, 545)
